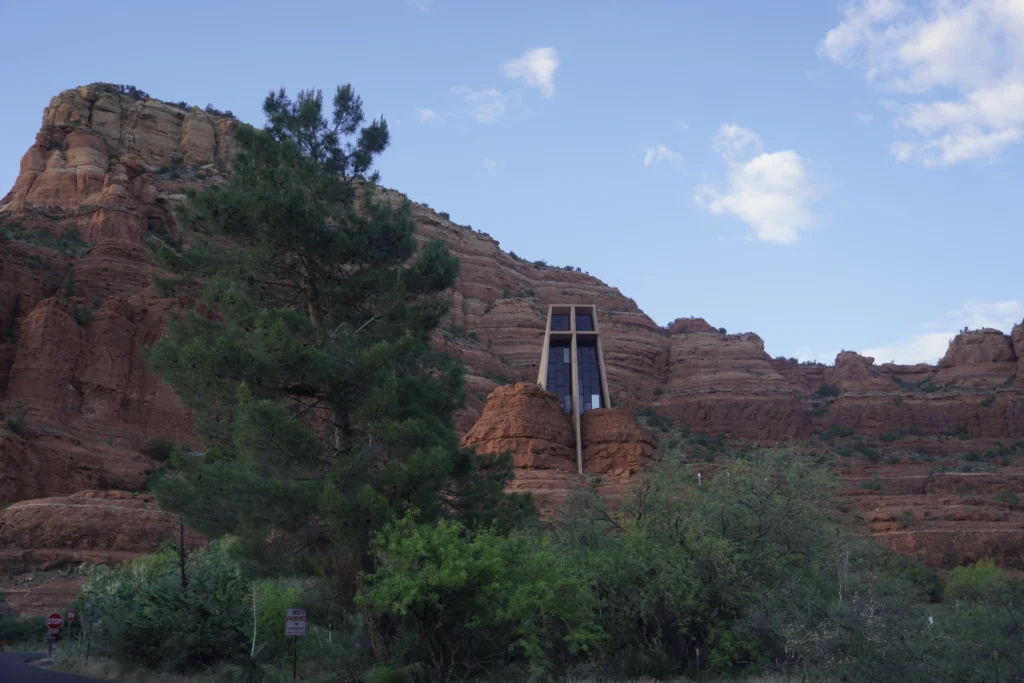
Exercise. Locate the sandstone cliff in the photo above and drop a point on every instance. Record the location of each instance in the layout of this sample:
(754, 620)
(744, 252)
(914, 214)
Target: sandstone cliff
(78, 307)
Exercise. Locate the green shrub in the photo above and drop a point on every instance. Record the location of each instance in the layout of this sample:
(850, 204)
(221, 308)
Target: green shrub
(1008, 497)
(147, 619)
(70, 242)
(893, 435)
(160, 449)
(869, 452)
(654, 420)
(16, 420)
(722, 330)
(82, 315)
(987, 402)
(14, 630)
(827, 390)
(168, 286)
(467, 599)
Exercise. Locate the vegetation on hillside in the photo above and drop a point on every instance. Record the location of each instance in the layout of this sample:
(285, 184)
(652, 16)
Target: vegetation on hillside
(332, 480)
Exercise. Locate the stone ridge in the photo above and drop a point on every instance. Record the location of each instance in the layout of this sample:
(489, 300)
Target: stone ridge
(108, 168)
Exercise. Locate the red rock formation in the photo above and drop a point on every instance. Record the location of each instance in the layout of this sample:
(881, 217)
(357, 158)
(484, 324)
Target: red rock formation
(95, 527)
(100, 165)
(687, 325)
(727, 384)
(614, 443)
(528, 422)
(978, 359)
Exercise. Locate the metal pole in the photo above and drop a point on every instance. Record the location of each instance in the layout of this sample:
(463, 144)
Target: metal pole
(295, 656)
(181, 550)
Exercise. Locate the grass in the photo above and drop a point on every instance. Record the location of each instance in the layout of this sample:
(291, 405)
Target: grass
(70, 243)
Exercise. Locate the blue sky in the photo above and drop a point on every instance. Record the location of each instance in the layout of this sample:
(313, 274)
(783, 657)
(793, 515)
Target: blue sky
(831, 175)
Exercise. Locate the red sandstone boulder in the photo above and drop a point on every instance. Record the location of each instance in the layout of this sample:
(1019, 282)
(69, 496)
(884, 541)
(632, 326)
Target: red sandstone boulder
(96, 527)
(527, 421)
(614, 443)
(978, 359)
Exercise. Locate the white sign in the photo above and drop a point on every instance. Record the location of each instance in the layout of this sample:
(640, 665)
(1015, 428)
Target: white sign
(295, 622)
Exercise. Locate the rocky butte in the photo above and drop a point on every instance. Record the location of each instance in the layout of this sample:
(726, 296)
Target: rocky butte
(929, 454)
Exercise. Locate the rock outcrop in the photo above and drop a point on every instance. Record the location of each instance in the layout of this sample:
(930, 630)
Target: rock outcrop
(526, 421)
(108, 168)
(96, 527)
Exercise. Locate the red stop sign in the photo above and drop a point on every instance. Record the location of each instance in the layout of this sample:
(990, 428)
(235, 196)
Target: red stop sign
(71, 616)
(54, 621)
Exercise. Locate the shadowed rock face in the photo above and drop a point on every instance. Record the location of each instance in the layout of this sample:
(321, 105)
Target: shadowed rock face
(111, 168)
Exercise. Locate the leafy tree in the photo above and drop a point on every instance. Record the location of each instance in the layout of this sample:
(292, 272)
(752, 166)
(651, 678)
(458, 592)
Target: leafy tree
(472, 602)
(686, 573)
(306, 360)
(147, 619)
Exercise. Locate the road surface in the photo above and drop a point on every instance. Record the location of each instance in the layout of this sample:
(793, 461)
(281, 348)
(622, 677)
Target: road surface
(13, 669)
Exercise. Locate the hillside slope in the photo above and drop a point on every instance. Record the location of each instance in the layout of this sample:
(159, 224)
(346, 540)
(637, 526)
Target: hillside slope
(80, 300)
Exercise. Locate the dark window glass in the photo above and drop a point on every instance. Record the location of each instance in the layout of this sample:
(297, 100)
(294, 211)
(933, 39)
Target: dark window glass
(585, 322)
(560, 322)
(560, 373)
(589, 375)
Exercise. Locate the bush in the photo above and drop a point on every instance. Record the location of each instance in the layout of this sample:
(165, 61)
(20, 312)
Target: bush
(827, 390)
(682, 568)
(70, 242)
(654, 420)
(467, 599)
(21, 630)
(146, 619)
(893, 435)
(82, 315)
(722, 330)
(869, 452)
(16, 420)
(987, 402)
(213, 111)
(1008, 497)
(168, 286)
(160, 449)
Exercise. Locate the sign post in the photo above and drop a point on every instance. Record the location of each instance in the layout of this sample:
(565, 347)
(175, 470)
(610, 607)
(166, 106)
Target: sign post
(53, 624)
(88, 622)
(295, 626)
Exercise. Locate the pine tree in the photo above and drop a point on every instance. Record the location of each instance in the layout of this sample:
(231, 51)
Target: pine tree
(306, 360)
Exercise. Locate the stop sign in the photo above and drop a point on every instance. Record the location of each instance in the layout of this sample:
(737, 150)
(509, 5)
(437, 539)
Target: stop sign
(71, 615)
(54, 621)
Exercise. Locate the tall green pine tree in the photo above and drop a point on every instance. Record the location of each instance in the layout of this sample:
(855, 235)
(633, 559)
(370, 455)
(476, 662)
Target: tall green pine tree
(306, 359)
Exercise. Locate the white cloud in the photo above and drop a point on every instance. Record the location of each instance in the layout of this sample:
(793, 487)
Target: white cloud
(970, 49)
(658, 153)
(486, 106)
(428, 115)
(931, 346)
(535, 67)
(1001, 315)
(684, 124)
(769, 191)
(923, 348)
(421, 5)
(491, 166)
(864, 118)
